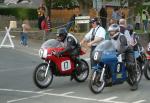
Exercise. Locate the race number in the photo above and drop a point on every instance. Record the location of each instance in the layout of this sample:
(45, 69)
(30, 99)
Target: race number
(96, 56)
(66, 65)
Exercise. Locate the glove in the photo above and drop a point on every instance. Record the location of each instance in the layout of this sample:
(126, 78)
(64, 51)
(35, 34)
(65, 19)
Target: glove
(58, 54)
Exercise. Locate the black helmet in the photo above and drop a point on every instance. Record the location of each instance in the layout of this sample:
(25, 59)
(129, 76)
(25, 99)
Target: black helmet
(62, 33)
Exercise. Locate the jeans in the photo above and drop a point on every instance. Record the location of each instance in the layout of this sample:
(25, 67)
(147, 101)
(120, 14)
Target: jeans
(145, 24)
(24, 38)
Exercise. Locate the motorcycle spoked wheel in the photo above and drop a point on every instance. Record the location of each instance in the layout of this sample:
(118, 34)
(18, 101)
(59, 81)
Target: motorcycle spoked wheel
(96, 86)
(135, 77)
(39, 76)
(147, 70)
(82, 71)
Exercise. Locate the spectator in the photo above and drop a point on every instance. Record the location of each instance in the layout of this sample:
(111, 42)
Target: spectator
(145, 20)
(112, 21)
(46, 25)
(95, 36)
(123, 30)
(137, 22)
(103, 17)
(41, 15)
(24, 34)
(116, 15)
(71, 22)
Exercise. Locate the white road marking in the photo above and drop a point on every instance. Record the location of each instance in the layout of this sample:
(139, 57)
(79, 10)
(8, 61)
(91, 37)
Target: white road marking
(140, 101)
(15, 100)
(111, 98)
(67, 93)
(59, 95)
(13, 90)
(43, 91)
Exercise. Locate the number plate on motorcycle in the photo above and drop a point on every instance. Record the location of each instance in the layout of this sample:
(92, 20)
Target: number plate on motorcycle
(66, 65)
(119, 75)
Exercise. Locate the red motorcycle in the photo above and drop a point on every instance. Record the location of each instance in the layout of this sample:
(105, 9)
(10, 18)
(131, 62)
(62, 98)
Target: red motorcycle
(147, 64)
(58, 66)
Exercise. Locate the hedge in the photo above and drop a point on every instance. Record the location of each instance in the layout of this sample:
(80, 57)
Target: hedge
(20, 13)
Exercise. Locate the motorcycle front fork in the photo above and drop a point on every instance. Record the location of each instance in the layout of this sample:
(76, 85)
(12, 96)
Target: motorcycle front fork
(102, 74)
(48, 64)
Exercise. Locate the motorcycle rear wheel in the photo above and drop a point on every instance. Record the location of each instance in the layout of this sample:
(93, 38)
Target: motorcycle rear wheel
(96, 86)
(147, 70)
(39, 76)
(82, 71)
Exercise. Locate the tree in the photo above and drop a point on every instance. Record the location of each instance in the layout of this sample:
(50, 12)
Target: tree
(85, 5)
(60, 4)
(48, 4)
(134, 7)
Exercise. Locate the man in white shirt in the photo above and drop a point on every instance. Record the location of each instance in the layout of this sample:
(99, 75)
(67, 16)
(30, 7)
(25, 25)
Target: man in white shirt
(94, 36)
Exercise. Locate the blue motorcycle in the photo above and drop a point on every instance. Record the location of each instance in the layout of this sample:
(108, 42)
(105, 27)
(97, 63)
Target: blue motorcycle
(109, 69)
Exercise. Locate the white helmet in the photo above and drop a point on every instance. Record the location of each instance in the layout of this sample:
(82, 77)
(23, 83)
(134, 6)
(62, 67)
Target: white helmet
(114, 27)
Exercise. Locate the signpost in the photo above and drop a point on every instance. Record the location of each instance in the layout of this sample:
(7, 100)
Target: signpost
(82, 20)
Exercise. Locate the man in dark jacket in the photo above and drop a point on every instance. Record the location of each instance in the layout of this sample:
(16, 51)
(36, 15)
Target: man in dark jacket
(70, 43)
(122, 47)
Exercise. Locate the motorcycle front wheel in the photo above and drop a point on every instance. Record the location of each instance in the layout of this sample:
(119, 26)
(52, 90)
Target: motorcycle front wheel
(134, 77)
(96, 86)
(147, 70)
(82, 71)
(39, 77)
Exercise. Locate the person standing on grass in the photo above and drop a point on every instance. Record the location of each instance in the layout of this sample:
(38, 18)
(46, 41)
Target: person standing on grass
(145, 20)
(137, 22)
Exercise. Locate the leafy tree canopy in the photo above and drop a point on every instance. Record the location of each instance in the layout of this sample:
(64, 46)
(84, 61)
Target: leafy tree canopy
(60, 4)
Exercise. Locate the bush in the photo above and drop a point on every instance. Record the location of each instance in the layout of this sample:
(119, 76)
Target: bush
(20, 13)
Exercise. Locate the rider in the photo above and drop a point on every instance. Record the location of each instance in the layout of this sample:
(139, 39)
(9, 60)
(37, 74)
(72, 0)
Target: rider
(118, 39)
(70, 43)
(122, 47)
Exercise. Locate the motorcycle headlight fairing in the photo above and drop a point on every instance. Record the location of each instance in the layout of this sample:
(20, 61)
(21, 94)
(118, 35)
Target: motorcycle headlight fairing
(43, 53)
